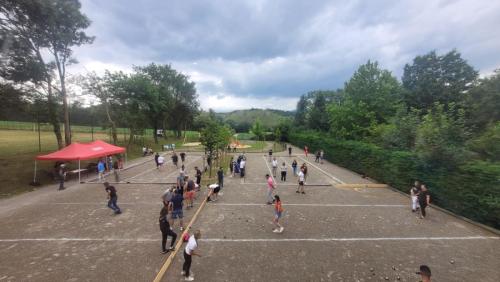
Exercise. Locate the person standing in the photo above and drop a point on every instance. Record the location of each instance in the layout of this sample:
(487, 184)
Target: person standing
(304, 170)
(175, 159)
(166, 231)
(189, 193)
(321, 156)
(175, 206)
(424, 199)
(242, 167)
(161, 161)
(156, 160)
(116, 169)
(425, 273)
(189, 252)
(283, 171)
(306, 150)
(316, 160)
(290, 151)
(167, 196)
(270, 154)
(278, 209)
(300, 189)
(231, 166)
(112, 198)
(101, 169)
(270, 189)
(182, 172)
(183, 157)
(220, 177)
(61, 173)
(414, 196)
(294, 167)
(198, 175)
(109, 163)
(275, 166)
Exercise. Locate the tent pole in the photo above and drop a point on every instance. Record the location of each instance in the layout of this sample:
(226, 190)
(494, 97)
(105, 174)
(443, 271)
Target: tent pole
(79, 180)
(125, 158)
(34, 175)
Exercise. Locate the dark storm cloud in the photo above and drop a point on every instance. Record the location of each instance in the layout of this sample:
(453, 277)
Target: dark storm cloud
(251, 49)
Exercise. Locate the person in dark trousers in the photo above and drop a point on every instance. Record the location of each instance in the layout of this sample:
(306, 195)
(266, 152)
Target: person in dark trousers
(112, 198)
(166, 231)
(317, 157)
(175, 159)
(220, 177)
(231, 164)
(424, 199)
(116, 168)
(189, 252)
(425, 273)
(290, 151)
(283, 171)
(156, 160)
(62, 176)
(183, 157)
(270, 154)
(198, 175)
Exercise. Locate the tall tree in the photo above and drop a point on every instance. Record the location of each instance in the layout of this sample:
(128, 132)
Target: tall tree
(483, 102)
(65, 29)
(432, 78)
(376, 88)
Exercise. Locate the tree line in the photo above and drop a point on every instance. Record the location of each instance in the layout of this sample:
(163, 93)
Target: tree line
(37, 38)
(439, 124)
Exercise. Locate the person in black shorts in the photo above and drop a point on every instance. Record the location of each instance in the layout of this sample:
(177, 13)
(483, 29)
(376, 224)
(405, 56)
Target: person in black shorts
(183, 156)
(166, 231)
(175, 159)
(290, 151)
(214, 190)
(198, 175)
(424, 199)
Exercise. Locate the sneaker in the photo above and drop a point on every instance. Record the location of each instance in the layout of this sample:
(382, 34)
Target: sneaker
(303, 192)
(189, 278)
(412, 210)
(269, 203)
(276, 230)
(171, 249)
(281, 229)
(165, 251)
(182, 228)
(183, 273)
(297, 191)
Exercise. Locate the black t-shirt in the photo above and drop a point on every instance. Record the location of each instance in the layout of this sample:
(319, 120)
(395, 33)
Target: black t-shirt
(175, 158)
(422, 196)
(111, 190)
(270, 152)
(289, 149)
(183, 155)
(198, 173)
(220, 174)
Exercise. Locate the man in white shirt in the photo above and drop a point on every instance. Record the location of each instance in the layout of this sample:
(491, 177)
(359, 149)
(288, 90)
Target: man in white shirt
(189, 252)
(242, 167)
(275, 166)
(161, 160)
(300, 189)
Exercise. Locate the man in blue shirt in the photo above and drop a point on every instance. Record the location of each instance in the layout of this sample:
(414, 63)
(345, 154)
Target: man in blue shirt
(175, 206)
(100, 169)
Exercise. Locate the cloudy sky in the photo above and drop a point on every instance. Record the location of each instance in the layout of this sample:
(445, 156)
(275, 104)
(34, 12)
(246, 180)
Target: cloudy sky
(265, 54)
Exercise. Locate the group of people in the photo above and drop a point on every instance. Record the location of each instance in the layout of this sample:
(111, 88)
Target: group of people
(107, 164)
(420, 198)
(238, 166)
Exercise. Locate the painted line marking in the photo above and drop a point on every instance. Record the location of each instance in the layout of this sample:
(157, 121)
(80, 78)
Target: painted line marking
(352, 239)
(362, 185)
(270, 171)
(289, 184)
(140, 240)
(324, 172)
(310, 205)
(178, 246)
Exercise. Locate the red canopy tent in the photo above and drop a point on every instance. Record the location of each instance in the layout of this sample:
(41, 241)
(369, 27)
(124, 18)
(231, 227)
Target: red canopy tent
(81, 151)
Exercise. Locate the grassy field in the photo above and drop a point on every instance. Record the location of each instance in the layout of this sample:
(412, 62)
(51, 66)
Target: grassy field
(18, 149)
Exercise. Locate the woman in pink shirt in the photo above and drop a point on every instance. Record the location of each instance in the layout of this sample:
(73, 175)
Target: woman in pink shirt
(270, 188)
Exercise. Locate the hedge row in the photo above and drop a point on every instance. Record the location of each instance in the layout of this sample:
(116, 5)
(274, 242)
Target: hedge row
(472, 190)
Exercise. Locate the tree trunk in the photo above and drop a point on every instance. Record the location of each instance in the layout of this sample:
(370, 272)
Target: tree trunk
(130, 138)
(113, 124)
(61, 72)
(53, 116)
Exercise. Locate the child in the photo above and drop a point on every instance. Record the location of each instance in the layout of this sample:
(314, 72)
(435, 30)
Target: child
(278, 209)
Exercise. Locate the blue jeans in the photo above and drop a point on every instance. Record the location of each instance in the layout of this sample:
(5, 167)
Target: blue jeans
(112, 204)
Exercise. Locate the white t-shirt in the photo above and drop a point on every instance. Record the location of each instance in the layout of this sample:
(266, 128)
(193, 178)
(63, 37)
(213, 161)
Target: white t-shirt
(242, 164)
(191, 245)
(213, 186)
(301, 176)
(161, 160)
(275, 163)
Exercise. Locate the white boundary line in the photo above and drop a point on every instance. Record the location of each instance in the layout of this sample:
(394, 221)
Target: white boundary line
(140, 240)
(311, 205)
(289, 184)
(270, 171)
(324, 172)
(168, 175)
(351, 239)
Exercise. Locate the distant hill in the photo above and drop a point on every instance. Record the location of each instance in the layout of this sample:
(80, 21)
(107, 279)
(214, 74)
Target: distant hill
(242, 120)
